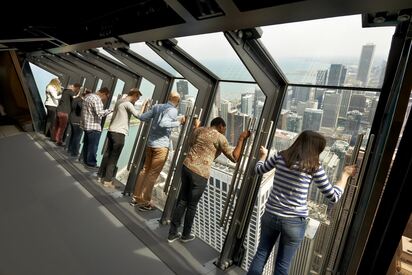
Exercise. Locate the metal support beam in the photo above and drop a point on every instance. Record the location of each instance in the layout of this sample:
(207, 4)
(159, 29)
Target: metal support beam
(163, 82)
(273, 84)
(206, 83)
(130, 79)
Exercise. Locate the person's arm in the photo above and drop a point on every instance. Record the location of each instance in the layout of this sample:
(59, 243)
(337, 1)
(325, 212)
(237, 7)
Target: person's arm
(263, 166)
(146, 116)
(332, 193)
(99, 109)
(53, 92)
(234, 154)
(348, 171)
(131, 109)
(242, 138)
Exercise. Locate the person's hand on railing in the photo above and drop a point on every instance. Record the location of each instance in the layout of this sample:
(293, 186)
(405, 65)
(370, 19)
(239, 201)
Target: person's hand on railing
(263, 152)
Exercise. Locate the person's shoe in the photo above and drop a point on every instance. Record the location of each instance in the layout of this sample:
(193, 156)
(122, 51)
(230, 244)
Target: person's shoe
(185, 239)
(146, 207)
(173, 237)
(109, 184)
(134, 203)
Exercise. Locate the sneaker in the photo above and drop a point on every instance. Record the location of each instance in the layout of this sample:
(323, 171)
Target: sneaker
(109, 184)
(146, 207)
(173, 237)
(185, 239)
(134, 203)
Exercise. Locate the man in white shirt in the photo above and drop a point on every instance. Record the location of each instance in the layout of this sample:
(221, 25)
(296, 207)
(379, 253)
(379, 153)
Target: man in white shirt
(118, 129)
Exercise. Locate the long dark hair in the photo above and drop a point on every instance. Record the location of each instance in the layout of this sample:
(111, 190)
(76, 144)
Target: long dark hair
(305, 151)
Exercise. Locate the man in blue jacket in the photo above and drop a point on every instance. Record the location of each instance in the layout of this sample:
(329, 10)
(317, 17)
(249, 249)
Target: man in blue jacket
(164, 120)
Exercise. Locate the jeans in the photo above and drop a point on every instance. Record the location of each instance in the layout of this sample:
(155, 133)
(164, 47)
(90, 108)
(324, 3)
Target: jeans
(153, 165)
(291, 231)
(190, 193)
(90, 145)
(75, 137)
(115, 143)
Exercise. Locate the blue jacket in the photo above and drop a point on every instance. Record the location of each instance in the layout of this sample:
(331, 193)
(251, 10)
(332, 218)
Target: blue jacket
(164, 119)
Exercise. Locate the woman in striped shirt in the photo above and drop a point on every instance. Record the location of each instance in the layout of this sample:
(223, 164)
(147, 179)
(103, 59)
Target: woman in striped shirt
(286, 209)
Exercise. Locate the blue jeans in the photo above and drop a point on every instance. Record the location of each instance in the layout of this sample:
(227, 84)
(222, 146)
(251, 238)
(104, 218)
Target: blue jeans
(291, 231)
(90, 145)
(75, 137)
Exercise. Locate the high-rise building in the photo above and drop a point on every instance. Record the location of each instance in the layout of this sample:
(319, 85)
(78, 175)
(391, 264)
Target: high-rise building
(302, 105)
(337, 75)
(182, 87)
(346, 96)
(294, 122)
(186, 103)
(382, 69)
(258, 102)
(246, 104)
(331, 108)
(206, 223)
(302, 93)
(357, 102)
(365, 63)
(225, 107)
(321, 77)
(312, 119)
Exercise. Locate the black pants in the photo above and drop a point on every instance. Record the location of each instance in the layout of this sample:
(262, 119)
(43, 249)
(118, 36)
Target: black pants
(191, 191)
(50, 121)
(115, 143)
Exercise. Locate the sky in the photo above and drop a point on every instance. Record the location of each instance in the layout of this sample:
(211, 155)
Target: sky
(339, 36)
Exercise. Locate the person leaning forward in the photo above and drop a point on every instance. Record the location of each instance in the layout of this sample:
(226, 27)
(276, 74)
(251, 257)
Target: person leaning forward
(206, 144)
(164, 119)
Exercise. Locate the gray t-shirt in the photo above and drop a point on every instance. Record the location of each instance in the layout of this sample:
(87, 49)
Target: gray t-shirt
(121, 116)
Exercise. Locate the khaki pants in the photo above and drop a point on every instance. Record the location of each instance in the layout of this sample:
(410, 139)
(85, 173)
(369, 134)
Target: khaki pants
(153, 165)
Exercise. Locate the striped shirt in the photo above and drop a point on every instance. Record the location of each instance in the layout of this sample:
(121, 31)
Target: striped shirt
(92, 113)
(288, 197)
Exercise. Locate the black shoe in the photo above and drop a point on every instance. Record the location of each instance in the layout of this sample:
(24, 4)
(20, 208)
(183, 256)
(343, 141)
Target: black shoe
(173, 237)
(146, 207)
(185, 239)
(133, 203)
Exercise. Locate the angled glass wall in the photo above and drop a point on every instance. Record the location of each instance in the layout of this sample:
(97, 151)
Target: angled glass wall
(215, 53)
(144, 50)
(42, 78)
(333, 51)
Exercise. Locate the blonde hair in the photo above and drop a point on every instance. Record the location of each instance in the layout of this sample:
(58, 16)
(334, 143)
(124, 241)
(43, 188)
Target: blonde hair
(55, 82)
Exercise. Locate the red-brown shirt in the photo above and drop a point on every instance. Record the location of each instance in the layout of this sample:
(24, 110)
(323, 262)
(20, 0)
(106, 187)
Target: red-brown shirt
(206, 144)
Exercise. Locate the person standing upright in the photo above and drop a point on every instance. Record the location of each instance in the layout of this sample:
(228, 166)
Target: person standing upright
(118, 129)
(75, 116)
(63, 111)
(206, 144)
(164, 119)
(91, 119)
(53, 94)
(286, 208)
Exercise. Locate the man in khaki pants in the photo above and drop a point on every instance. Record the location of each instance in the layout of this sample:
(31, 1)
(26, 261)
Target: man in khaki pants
(164, 119)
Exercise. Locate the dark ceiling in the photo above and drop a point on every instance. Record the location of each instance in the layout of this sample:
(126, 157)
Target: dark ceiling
(66, 26)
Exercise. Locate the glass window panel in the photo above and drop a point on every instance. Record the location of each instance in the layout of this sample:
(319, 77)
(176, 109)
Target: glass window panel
(339, 115)
(99, 85)
(147, 90)
(333, 51)
(215, 53)
(188, 94)
(101, 50)
(42, 78)
(145, 51)
(235, 103)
